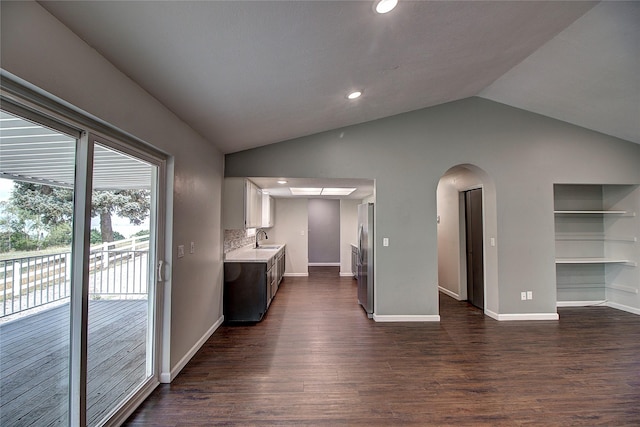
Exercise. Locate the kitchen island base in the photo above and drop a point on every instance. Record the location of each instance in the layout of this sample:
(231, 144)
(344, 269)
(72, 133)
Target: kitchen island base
(245, 292)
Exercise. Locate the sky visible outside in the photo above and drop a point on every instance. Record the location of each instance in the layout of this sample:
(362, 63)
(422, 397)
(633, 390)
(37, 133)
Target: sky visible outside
(5, 189)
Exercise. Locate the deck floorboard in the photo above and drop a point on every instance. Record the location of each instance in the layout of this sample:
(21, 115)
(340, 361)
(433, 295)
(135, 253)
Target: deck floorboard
(34, 361)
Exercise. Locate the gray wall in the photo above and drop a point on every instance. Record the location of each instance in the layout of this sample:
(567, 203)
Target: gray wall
(324, 231)
(348, 233)
(522, 154)
(36, 47)
(292, 222)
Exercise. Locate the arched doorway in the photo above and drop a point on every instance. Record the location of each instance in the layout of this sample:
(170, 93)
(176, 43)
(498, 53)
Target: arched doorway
(467, 241)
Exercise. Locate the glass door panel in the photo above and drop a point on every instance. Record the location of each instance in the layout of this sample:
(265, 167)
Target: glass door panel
(121, 280)
(36, 215)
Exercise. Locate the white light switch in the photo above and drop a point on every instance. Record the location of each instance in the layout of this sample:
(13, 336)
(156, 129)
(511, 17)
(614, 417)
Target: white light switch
(493, 241)
(302, 232)
(192, 248)
(180, 251)
(385, 241)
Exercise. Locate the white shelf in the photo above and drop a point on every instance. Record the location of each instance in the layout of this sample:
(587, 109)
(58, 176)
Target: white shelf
(592, 261)
(574, 286)
(581, 212)
(595, 237)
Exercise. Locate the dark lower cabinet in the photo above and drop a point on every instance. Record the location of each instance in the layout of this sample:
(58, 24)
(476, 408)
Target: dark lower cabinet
(249, 288)
(246, 294)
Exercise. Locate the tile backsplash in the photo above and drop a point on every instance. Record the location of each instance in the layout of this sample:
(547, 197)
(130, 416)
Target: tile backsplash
(235, 239)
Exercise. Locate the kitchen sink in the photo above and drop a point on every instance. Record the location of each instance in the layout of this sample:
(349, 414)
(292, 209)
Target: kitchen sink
(267, 247)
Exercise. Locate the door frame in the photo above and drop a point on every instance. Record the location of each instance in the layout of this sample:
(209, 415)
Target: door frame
(464, 233)
(156, 257)
(28, 101)
(462, 226)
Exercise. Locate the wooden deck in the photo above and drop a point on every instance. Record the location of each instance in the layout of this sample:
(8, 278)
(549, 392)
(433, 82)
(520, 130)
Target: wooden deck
(34, 362)
(316, 360)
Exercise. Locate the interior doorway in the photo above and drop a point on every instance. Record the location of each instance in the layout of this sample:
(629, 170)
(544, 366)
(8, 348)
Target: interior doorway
(467, 241)
(474, 246)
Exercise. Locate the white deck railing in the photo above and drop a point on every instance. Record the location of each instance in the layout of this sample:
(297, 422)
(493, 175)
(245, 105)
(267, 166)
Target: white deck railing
(117, 270)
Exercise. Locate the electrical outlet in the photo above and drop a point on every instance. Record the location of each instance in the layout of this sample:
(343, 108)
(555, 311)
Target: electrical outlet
(180, 251)
(523, 296)
(529, 294)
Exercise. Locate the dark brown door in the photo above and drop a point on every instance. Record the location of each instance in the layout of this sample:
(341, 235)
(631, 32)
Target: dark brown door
(475, 269)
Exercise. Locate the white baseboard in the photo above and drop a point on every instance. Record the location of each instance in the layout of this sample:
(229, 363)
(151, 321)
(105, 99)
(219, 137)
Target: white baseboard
(406, 318)
(296, 274)
(324, 264)
(525, 316)
(622, 307)
(599, 303)
(580, 303)
(167, 377)
(492, 314)
(347, 274)
(450, 293)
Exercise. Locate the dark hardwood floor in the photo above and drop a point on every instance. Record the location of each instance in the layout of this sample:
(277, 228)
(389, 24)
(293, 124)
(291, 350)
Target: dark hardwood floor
(317, 360)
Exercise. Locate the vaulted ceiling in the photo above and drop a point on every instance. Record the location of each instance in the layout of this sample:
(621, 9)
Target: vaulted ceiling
(245, 74)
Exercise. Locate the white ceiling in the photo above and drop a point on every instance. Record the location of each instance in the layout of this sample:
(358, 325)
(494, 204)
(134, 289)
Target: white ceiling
(588, 75)
(245, 74)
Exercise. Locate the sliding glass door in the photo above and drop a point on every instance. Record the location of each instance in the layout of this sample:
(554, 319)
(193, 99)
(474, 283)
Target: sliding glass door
(36, 217)
(80, 237)
(121, 281)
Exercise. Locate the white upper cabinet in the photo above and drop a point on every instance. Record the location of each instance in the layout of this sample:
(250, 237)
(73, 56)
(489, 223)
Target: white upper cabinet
(253, 211)
(268, 211)
(241, 204)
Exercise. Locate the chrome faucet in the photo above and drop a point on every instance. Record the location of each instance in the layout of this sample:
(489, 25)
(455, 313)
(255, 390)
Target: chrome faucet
(258, 234)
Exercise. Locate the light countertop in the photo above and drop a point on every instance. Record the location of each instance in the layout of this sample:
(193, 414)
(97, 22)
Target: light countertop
(250, 254)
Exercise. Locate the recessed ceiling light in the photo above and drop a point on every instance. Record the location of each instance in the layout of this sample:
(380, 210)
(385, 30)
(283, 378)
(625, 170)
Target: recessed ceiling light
(308, 191)
(337, 191)
(355, 95)
(384, 6)
(282, 181)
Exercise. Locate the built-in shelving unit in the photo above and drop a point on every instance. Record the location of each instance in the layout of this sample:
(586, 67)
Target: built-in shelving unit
(597, 251)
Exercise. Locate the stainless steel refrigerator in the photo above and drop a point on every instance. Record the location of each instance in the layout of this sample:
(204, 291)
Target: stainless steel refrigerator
(365, 257)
